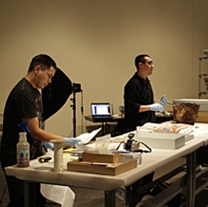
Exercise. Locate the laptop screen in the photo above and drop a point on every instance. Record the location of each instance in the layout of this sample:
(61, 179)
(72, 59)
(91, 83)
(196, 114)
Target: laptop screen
(100, 109)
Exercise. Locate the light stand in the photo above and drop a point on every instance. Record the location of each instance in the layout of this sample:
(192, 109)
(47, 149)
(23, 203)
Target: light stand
(76, 89)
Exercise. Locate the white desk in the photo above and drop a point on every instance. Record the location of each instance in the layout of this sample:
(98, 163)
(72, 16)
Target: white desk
(42, 173)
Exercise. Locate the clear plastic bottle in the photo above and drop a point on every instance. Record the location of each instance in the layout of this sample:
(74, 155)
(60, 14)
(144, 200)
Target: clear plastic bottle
(23, 151)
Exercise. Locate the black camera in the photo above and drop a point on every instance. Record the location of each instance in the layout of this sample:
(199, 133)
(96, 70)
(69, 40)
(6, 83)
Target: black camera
(132, 145)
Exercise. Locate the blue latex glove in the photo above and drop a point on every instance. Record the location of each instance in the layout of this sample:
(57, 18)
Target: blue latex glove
(163, 100)
(71, 141)
(48, 145)
(156, 107)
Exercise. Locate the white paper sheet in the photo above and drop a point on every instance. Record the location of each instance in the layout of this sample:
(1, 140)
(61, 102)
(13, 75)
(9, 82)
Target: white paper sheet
(87, 137)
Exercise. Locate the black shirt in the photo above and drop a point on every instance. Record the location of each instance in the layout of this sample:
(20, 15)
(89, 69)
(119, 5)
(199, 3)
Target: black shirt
(24, 101)
(137, 92)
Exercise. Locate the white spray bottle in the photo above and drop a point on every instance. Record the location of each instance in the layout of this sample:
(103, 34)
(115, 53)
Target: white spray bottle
(23, 149)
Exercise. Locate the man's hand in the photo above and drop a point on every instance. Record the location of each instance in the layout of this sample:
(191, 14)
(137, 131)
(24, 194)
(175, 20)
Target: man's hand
(71, 141)
(48, 145)
(156, 107)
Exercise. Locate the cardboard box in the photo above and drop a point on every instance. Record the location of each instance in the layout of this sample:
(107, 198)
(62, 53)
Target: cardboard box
(103, 158)
(202, 117)
(161, 140)
(97, 166)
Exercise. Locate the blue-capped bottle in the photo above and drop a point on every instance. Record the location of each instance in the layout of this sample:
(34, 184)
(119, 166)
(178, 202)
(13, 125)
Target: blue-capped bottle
(23, 151)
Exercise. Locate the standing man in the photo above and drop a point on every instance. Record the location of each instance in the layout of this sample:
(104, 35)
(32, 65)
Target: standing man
(138, 95)
(24, 105)
(139, 109)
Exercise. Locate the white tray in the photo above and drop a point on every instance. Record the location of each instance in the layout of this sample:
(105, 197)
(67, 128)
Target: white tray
(161, 140)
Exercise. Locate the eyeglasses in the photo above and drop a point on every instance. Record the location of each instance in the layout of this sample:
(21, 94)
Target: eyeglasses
(149, 62)
(50, 76)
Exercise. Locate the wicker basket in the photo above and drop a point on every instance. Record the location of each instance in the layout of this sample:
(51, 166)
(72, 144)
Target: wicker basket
(185, 112)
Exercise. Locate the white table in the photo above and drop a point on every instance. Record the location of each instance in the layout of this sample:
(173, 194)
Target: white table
(42, 172)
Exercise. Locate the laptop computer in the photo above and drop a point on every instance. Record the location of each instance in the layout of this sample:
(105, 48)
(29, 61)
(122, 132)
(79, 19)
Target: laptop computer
(100, 111)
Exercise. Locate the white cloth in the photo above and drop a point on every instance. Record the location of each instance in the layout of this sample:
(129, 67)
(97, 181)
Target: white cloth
(59, 194)
(170, 127)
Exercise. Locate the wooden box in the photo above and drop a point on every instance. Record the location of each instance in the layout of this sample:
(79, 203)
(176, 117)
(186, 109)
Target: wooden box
(106, 164)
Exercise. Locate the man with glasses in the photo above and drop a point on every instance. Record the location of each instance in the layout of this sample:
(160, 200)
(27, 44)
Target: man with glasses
(138, 95)
(24, 107)
(139, 109)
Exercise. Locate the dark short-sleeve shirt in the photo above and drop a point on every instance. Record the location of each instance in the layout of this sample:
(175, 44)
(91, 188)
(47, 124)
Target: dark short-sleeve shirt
(24, 101)
(137, 92)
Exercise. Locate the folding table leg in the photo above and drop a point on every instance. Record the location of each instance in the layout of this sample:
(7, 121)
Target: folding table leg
(110, 198)
(30, 195)
(191, 179)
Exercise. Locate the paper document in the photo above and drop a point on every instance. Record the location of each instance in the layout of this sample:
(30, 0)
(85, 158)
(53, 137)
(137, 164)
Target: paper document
(170, 127)
(87, 137)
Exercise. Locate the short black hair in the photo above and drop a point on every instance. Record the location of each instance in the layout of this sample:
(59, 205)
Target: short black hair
(140, 58)
(44, 60)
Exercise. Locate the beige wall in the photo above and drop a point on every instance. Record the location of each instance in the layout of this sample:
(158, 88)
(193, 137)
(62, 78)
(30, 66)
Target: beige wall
(95, 41)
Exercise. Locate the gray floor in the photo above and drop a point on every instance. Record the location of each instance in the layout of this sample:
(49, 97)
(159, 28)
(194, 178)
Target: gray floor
(94, 198)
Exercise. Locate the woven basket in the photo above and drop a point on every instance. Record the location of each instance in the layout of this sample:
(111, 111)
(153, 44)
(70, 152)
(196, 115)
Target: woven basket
(185, 112)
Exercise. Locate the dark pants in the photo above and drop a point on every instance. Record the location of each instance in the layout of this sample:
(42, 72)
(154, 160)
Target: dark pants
(16, 186)
(16, 193)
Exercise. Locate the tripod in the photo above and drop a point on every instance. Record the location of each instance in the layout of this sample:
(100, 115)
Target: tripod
(76, 89)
